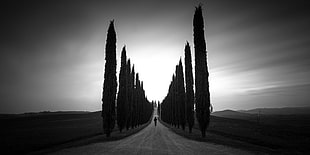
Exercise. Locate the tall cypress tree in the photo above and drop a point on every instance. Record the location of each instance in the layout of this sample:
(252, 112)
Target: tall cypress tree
(110, 82)
(181, 95)
(173, 102)
(142, 102)
(201, 73)
(158, 110)
(139, 101)
(176, 96)
(129, 94)
(133, 106)
(136, 113)
(189, 88)
(122, 93)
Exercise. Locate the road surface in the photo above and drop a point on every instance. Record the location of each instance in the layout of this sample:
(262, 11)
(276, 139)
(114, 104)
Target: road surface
(153, 140)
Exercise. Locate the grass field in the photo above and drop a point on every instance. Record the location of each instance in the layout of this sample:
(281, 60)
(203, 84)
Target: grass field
(27, 133)
(274, 134)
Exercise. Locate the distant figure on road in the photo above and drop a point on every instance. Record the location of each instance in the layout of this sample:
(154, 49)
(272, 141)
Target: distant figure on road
(155, 121)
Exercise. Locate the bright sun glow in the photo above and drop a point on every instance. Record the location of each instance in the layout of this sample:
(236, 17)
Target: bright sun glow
(156, 72)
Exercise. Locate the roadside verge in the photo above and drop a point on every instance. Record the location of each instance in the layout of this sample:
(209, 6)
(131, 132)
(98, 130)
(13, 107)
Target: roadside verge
(97, 138)
(218, 139)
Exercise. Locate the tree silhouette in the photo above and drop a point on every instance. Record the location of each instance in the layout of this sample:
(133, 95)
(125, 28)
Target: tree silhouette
(142, 108)
(158, 109)
(132, 102)
(137, 96)
(136, 90)
(122, 112)
(189, 88)
(110, 82)
(201, 73)
(176, 96)
(181, 95)
(173, 102)
(173, 108)
(129, 94)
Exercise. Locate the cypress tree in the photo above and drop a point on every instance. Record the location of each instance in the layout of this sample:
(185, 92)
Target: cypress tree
(181, 95)
(141, 103)
(129, 94)
(122, 93)
(173, 102)
(189, 87)
(139, 110)
(177, 99)
(137, 100)
(158, 110)
(201, 73)
(169, 108)
(133, 106)
(110, 82)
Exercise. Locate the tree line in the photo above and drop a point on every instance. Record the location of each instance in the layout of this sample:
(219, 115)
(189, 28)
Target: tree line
(132, 107)
(177, 108)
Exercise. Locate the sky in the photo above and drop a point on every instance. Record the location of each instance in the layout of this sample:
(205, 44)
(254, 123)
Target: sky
(52, 52)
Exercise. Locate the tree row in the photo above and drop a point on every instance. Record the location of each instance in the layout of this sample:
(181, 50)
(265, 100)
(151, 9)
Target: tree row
(132, 107)
(178, 109)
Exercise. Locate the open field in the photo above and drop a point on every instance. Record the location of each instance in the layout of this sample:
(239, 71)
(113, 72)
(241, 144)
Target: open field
(274, 133)
(27, 133)
(34, 132)
(154, 140)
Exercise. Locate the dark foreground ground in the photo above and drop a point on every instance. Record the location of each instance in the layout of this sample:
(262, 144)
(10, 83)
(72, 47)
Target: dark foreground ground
(46, 132)
(154, 140)
(284, 134)
(34, 132)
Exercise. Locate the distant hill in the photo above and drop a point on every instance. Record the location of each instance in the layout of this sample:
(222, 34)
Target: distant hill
(279, 111)
(264, 112)
(43, 113)
(234, 114)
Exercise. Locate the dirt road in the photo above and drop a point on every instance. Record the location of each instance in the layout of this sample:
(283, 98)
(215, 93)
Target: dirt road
(153, 140)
